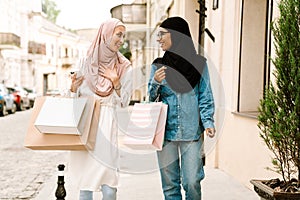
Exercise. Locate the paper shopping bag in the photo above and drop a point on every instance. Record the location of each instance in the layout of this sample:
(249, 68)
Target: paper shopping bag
(146, 127)
(36, 140)
(61, 115)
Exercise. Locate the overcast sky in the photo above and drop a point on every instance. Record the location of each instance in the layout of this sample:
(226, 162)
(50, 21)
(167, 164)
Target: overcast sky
(78, 14)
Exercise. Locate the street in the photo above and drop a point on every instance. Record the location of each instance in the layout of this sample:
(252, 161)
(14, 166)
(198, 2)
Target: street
(22, 170)
(32, 175)
(25, 173)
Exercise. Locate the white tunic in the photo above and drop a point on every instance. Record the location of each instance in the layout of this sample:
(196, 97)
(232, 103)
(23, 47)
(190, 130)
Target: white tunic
(91, 169)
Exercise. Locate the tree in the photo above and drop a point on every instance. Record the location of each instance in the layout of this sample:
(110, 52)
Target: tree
(125, 50)
(279, 111)
(50, 9)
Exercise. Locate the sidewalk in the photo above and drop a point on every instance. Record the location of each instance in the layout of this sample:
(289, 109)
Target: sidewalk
(217, 185)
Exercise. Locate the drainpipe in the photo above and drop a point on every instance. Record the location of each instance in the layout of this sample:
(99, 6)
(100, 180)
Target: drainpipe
(148, 32)
(202, 16)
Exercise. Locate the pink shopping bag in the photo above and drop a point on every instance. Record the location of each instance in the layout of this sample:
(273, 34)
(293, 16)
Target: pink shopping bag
(146, 127)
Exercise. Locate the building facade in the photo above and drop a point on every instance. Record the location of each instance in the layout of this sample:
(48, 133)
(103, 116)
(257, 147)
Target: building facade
(34, 52)
(235, 38)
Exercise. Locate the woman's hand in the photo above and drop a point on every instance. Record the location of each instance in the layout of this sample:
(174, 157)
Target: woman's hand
(76, 82)
(110, 74)
(160, 74)
(210, 132)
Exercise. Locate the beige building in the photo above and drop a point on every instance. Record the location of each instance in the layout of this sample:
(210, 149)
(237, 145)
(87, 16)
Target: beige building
(235, 38)
(35, 52)
(240, 55)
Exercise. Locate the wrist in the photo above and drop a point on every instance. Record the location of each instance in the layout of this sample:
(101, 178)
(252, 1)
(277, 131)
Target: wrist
(116, 82)
(117, 87)
(72, 89)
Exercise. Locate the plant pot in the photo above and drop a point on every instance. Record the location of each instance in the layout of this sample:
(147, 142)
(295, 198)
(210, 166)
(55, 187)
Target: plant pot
(267, 193)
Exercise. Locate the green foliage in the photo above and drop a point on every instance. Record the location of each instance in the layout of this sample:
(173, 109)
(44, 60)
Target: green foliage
(125, 50)
(279, 111)
(50, 9)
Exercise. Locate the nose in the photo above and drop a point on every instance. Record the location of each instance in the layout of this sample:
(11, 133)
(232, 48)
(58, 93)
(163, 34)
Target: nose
(122, 39)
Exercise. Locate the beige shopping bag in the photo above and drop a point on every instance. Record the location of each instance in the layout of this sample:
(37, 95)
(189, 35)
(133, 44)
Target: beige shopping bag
(146, 127)
(36, 140)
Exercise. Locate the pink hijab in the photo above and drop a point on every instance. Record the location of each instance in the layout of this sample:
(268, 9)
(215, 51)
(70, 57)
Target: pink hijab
(99, 54)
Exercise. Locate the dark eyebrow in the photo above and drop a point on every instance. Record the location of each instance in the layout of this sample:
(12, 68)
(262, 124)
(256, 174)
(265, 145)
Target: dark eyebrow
(120, 33)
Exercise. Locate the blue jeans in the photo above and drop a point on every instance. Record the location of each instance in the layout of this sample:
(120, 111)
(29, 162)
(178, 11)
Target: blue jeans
(108, 193)
(181, 162)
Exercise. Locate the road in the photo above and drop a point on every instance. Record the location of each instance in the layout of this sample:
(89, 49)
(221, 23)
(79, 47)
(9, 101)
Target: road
(31, 175)
(25, 173)
(22, 171)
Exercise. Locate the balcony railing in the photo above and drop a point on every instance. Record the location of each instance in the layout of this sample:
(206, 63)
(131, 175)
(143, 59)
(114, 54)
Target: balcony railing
(67, 61)
(9, 41)
(130, 13)
(36, 48)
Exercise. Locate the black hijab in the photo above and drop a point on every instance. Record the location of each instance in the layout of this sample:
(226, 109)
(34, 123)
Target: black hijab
(184, 66)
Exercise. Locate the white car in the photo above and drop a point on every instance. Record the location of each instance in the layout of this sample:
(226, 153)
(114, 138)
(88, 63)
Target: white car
(7, 104)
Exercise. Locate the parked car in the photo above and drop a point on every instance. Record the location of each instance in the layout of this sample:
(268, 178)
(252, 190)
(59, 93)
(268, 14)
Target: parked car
(20, 97)
(7, 104)
(31, 95)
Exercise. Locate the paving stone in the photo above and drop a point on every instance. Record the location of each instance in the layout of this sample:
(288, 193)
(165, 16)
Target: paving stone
(23, 171)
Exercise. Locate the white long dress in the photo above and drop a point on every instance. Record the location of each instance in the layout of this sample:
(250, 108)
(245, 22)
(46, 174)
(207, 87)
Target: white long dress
(91, 169)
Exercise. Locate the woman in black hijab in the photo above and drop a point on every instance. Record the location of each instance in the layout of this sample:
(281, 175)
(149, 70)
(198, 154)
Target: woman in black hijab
(180, 79)
(185, 66)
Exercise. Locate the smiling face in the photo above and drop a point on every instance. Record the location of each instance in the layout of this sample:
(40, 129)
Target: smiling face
(117, 38)
(164, 39)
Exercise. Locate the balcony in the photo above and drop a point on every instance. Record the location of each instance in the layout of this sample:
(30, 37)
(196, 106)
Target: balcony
(130, 13)
(9, 41)
(67, 61)
(36, 48)
(134, 17)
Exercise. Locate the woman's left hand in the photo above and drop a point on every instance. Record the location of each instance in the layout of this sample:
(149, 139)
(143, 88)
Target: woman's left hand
(110, 74)
(210, 132)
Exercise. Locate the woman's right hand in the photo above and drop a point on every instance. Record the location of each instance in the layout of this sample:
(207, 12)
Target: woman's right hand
(160, 74)
(76, 82)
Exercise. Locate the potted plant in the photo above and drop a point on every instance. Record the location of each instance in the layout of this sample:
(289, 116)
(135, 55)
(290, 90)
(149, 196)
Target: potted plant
(279, 110)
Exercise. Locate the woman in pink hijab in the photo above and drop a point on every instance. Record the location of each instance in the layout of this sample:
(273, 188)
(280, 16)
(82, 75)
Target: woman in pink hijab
(107, 77)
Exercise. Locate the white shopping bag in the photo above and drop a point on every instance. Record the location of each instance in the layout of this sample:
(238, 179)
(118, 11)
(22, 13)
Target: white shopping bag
(146, 128)
(61, 115)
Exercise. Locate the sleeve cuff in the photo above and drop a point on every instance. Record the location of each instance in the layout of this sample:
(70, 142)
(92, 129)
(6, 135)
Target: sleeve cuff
(208, 124)
(73, 94)
(155, 82)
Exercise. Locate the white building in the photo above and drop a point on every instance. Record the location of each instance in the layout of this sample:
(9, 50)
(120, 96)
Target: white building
(35, 52)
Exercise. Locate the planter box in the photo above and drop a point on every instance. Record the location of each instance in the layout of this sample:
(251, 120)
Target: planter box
(267, 193)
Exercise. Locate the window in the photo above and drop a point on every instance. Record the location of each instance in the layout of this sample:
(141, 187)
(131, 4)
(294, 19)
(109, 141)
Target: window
(52, 50)
(66, 52)
(254, 55)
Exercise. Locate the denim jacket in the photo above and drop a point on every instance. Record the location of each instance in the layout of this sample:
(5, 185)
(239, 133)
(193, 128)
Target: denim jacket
(188, 113)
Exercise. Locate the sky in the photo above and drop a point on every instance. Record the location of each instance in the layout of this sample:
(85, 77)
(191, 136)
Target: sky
(81, 14)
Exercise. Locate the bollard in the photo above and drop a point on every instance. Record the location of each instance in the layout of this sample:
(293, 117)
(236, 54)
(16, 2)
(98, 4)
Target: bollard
(60, 192)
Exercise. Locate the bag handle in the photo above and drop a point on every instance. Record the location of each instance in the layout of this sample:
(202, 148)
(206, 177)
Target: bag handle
(157, 98)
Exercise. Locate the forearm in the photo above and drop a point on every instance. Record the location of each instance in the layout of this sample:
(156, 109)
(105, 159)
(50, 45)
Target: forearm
(153, 85)
(117, 86)
(153, 90)
(123, 89)
(206, 101)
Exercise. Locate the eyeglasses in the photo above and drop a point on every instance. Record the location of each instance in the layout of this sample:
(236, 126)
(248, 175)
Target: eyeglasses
(161, 33)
